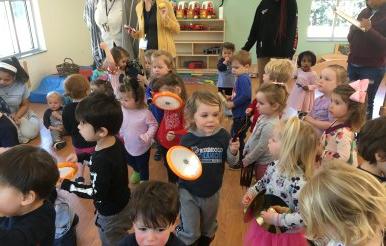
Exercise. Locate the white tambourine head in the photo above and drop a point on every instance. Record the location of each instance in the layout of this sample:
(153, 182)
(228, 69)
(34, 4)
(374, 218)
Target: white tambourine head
(167, 103)
(65, 171)
(184, 163)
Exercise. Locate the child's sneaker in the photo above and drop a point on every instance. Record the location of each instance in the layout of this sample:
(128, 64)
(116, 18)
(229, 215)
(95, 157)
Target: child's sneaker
(135, 178)
(157, 155)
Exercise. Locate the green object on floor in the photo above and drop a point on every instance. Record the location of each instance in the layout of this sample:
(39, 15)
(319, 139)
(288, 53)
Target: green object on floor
(135, 178)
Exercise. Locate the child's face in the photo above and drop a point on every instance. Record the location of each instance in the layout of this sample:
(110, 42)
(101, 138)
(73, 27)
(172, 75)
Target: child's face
(274, 143)
(87, 131)
(122, 63)
(54, 103)
(127, 100)
(10, 200)
(6, 78)
(151, 236)
(263, 105)
(147, 64)
(207, 118)
(327, 81)
(227, 53)
(238, 69)
(306, 63)
(338, 108)
(159, 67)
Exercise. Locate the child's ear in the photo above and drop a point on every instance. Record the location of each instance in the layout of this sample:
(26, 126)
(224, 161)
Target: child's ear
(29, 198)
(275, 106)
(178, 90)
(103, 132)
(379, 157)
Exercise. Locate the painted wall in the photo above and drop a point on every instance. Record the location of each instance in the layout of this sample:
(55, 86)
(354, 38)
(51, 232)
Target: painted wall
(65, 35)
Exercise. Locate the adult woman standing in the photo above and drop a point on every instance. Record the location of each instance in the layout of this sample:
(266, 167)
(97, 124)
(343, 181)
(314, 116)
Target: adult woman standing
(157, 25)
(14, 92)
(367, 58)
(274, 30)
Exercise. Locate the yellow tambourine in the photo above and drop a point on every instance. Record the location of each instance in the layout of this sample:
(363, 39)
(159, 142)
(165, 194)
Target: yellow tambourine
(184, 163)
(167, 101)
(67, 170)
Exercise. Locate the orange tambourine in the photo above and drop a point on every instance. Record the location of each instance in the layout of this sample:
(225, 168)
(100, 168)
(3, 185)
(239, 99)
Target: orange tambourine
(167, 101)
(67, 170)
(184, 163)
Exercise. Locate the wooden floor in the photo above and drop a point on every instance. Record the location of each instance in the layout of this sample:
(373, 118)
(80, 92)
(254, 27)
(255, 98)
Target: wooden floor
(231, 227)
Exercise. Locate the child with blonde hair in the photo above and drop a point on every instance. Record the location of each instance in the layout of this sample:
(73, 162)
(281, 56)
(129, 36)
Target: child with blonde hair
(52, 119)
(342, 205)
(330, 77)
(294, 144)
(145, 78)
(77, 88)
(271, 101)
(348, 107)
(213, 145)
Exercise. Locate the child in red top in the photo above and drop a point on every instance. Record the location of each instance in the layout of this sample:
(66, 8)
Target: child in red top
(171, 128)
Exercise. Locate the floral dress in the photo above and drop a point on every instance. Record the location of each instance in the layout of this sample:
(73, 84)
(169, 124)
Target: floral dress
(338, 142)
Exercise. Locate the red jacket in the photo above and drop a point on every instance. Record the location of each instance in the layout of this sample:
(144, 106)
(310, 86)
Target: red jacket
(173, 120)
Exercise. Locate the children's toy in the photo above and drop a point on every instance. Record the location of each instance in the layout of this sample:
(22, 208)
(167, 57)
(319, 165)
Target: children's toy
(212, 51)
(67, 170)
(184, 163)
(182, 9)
(167, 101)
(194, 64)
(193, 27)
(193, 10)
(207, 10)
(48, 83)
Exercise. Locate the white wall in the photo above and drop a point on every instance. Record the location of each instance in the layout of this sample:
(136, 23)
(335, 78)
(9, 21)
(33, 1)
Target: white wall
(65, 35)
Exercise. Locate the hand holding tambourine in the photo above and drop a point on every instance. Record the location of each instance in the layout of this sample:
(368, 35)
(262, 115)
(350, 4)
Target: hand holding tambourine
(184, 163)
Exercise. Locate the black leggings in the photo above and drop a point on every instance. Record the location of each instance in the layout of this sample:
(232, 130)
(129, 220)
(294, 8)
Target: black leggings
(8, 133)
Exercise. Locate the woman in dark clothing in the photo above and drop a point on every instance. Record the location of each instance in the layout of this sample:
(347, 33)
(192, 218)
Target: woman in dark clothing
(274, 29)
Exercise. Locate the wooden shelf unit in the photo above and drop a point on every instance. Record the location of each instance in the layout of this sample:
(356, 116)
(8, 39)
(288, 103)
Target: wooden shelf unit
(190, 44)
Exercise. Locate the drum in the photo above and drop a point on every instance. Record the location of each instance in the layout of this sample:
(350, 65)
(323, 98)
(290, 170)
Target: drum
(184, 163)
(167, 101)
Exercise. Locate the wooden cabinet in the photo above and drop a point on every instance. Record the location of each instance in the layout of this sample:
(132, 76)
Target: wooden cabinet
(199, 45)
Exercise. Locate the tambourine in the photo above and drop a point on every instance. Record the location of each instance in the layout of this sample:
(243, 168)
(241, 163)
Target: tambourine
(67, 170)
(167, 101)
(263, 202)
(184, 163)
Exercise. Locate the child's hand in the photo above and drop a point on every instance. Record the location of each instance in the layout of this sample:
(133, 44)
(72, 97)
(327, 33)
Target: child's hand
(3, 149)
(142, 79)
(229, 104)
(56, 115)
(247, 199)
(245, 162)
(170, 136)
(228, 97)
(248, 111)
(226, 60)
(270, 216)
(234, 146)
(72, 158)
(305, 88)
(59, 183)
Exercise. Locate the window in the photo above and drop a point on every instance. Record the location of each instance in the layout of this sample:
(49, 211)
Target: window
(20, 28)
(325, 25)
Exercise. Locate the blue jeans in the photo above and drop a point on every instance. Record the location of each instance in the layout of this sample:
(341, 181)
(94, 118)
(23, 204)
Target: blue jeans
(375, 75)
(140, 164)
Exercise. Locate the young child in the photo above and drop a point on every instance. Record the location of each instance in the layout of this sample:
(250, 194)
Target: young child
(154, 207)
(271, 99)
(27, 176)
(226, 80)
(145, 79)
(320, 117)
(302, 95)
(77, 88)
(213, 146)
(101, 86)
(138, 128)
(171, 128)
(241, 96)
(52, 119)
(342, 205)
(100, 118)
(349, 112)
(120, 56)
(372, 148)
(295, 146)
(280, 71)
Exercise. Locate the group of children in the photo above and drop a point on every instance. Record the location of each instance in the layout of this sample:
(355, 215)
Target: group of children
(327, 199)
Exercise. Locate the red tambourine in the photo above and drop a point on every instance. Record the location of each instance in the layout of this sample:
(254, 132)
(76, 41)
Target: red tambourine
(184, 163)
(67, 170)
(167, 101)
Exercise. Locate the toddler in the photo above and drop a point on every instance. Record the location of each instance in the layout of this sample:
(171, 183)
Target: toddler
(52, 119)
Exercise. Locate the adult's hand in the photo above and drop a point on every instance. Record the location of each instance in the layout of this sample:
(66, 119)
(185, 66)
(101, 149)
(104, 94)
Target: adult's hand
(366, 24)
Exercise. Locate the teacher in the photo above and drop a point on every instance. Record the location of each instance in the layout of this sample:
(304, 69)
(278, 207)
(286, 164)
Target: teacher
(274, 30)
(157, 26)
(367, 58)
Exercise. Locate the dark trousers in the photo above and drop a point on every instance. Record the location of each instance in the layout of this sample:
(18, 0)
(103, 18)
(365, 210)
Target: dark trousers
(172, 178)
(239, 123)
(375, 75)
(8, 133)
(140, 164)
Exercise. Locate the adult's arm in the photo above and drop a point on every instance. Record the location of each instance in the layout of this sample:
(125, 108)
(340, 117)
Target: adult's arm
(292, 26)
(252, 38)
(23, 108)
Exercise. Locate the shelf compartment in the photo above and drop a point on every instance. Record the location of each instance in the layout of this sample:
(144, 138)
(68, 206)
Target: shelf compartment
(184, 48)
(199, 36)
